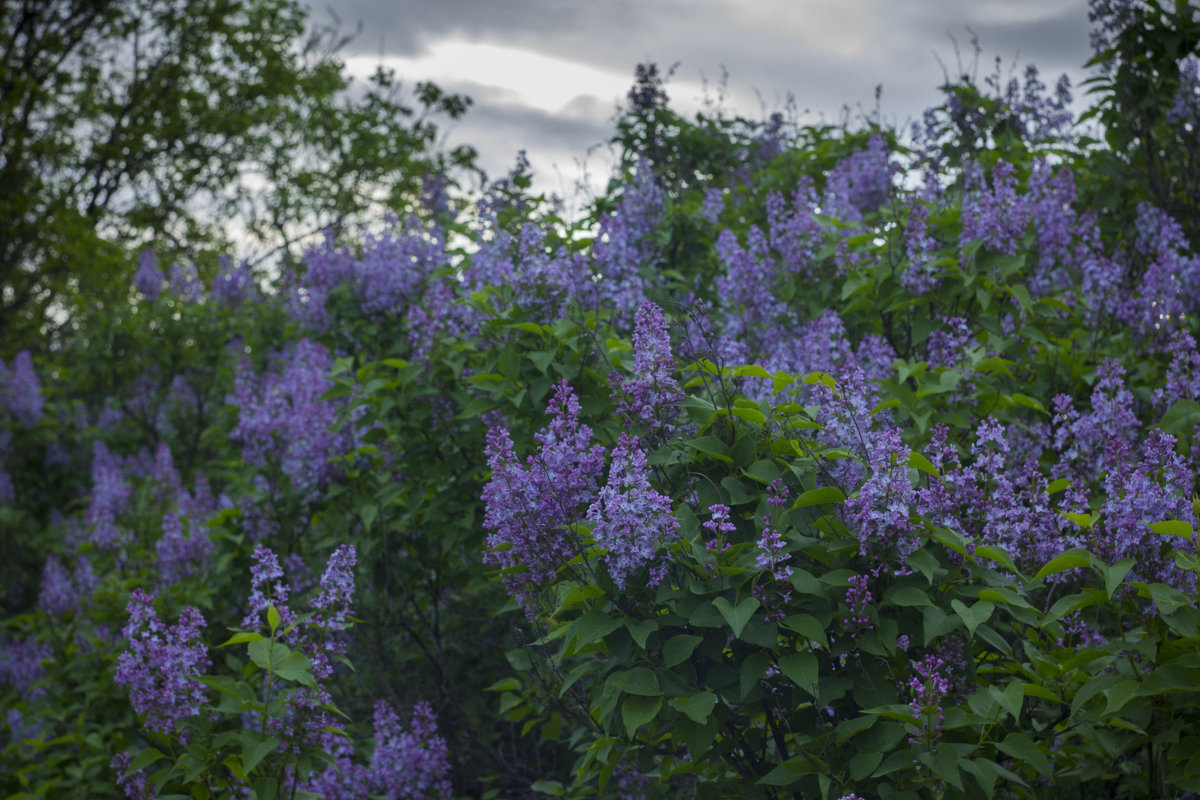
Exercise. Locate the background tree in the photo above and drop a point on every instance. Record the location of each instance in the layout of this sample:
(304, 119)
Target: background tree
(125, 123)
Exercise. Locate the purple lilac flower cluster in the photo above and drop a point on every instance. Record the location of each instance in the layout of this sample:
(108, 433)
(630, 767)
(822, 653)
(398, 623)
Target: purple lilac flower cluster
(21, 665)
(233, 285)
(405, 765)
(652, 396)
(283, 422)
(882, 509)
(719, 527)
(161, 665)
(527, 508)
(629, 517)
(184, 283)
(21, 390)
(623, 250)
(110, 496)
(928, 687)
(998, 214)
(920, 276)
(858, 598)
(861, 183)
(148, 279)
(62, 593)
(134, 786)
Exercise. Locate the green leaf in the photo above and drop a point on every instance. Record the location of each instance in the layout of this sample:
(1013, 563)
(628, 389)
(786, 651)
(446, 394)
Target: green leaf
(907, 595)
(593, 627)
(807, 626)
(266, 788)
(1119, 694)
(239, 638)
(698, 707)
(997, 554)
(639, 680)
(1172, 527)
(825, 494)
(273, 618)
(294, 666)
(636, 711)
(801, 669)
(1021, 747)
(1115, 574)
(712, 446)
(143, 760)
(919, 462)
(739, 616)
(255, 747)
(641, 630)
(1069, 560)
(1085, 521)
(973, 616)
(679, 649)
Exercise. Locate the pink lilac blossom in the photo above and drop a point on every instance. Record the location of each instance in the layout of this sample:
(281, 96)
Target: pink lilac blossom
(161, 665)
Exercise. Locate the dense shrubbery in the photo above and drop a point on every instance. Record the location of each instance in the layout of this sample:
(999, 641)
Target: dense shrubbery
(818, 461)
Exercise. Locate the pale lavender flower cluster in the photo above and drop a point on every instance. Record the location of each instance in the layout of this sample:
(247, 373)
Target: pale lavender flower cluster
(1170, 286)
(1156, 488)
(997, 214)
(623, 250)
(527, 508)
(928, 687)
(1186, 108)
(148, 279)
(920, 276)
(629, 517)
(882, 508)
(386, 279)
(185, 283)
(284, 423)
(652, 396)
(21, 665)
(21, 390)
(860, 183)
(110, 496)
(161, 665)
(794, 233)
(233, 285)
(405, 765)
(712, 205)
(179, 553)
(62, 593)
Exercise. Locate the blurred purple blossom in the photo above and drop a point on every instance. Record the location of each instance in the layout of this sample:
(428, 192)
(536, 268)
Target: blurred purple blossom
(21, 390)
(233, 285)
(997, 214)
(860, 183)
(148, 279)
(185, 284)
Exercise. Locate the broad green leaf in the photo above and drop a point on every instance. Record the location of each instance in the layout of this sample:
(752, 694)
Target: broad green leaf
(1021, 747)
(1113, 575)
(143, 760)
(641, 630)
(637, 710)
(255, 748)
(1085, 521)
(294, 666)
(639, 681)
(273, 618)
(973, 616)
(593, 627)
(698, 707)
(739, 616)
(1172, 527)
(1066, 561)
(907, 595)
(679, 649)
(825, 494)
(240, 638)
(802, 669)
(919, 462)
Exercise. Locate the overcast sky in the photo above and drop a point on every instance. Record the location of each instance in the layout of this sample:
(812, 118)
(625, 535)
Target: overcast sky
(547, 75)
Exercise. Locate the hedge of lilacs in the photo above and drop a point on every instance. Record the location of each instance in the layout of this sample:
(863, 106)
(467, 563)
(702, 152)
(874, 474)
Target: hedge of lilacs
(841, 462)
